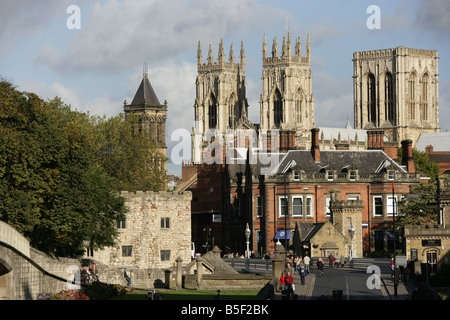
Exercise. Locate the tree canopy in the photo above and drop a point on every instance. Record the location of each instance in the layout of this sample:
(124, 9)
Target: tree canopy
(61, 170)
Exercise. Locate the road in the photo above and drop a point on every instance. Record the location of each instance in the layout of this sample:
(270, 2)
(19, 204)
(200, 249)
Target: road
(353, 284)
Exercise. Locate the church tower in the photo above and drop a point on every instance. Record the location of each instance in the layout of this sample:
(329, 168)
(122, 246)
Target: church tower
(396, 90)
(153, 114)
(287, 101)
(221, 102)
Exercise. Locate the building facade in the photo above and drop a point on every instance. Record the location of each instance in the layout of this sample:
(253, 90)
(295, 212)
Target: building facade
(156, 232)
(152, 113)
(287, 100)
(396, 90)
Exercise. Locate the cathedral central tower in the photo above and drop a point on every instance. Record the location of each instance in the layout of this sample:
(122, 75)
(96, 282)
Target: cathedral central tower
(287, 101)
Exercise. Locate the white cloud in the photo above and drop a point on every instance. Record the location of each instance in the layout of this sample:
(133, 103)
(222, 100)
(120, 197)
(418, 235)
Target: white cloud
(120, 34)
(104, 105)
(56, 89)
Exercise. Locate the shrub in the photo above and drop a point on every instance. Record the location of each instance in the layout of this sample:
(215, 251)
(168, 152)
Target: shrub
(102, 291)
(70, 294)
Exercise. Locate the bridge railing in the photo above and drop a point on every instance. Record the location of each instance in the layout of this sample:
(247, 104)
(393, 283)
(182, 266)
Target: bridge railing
(254, 265)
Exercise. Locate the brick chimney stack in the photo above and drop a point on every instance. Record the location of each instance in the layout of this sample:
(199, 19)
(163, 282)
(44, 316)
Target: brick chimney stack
(315, 151)
(407, 156)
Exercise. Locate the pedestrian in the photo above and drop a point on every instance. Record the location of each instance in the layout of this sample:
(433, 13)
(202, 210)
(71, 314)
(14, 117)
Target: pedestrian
(320, 264)
(342, 261)
(302, 272)
(127, 277)
(289, 285)
(331, 260)
(391, 265)
(306, 260)
(282, 282)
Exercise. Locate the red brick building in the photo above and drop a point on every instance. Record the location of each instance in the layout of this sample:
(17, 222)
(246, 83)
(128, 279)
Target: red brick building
(244, 193)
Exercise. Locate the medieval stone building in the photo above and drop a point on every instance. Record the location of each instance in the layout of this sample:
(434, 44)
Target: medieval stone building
(156, 232)
(397, 90)
(152, 113)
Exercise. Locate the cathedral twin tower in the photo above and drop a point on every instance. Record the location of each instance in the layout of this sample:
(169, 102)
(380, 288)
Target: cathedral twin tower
(287, 102)
(395, 90)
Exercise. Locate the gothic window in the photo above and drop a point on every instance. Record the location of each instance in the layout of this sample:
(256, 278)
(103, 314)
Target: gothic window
(424, 99)
(232, 111)
(389, 98)
(212, 111)
(371, 99)
(298, 106)
(411, 96)
(277, 108)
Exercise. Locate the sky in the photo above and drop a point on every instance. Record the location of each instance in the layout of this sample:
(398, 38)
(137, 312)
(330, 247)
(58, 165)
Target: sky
(92, 57)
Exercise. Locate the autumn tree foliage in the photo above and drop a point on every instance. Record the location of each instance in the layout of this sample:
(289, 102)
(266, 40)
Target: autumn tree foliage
(61, 172)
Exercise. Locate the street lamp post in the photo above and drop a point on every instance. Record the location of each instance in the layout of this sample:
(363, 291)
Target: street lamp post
(247, 233)
(351, 232)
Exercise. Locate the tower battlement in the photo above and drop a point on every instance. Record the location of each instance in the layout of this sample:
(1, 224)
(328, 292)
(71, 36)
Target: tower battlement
(221, 64)
(286, 57)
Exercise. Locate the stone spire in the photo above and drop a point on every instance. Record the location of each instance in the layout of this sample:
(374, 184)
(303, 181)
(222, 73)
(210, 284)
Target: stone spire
(221, 57)
(242, 58)
(231, 54)
(308, 48)
(199, 54)
(210, 56)
(264, 50)
(275, 48)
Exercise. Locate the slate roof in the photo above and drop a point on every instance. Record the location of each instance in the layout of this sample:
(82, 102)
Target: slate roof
(366, 161)
(145, 94)
(439, 140)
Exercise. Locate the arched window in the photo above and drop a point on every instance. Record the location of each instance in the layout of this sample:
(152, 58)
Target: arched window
(298, 105)
(424, 98)
(371, 99)
(277, 108)
(389, 98)
(212, 111)
(412, 96)
(232, 111)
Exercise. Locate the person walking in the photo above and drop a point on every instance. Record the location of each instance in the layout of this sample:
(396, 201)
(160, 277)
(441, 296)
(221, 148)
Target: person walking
(289, 285)
(302, 272)
(307, 260)
(320, 264)
(127, 277)
(331, 260)
(282, 282)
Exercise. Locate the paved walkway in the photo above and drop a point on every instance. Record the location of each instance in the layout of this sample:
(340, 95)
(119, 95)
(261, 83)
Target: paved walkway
(303, 292)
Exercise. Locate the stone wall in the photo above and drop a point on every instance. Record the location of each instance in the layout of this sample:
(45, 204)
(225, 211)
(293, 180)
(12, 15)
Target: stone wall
(29, 276)
(145, 235)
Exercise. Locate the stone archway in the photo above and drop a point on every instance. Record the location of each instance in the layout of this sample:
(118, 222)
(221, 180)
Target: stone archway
(6, 279)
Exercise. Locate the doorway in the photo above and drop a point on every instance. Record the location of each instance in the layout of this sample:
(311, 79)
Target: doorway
(432, 259)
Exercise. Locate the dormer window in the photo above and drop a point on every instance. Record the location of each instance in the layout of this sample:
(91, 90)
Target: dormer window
(391, 175)
(330, 175)
(352, 175)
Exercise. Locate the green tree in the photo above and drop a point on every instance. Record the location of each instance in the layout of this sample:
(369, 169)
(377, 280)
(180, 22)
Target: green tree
(418, 207)
(52, 188)
(422, 163)
(127, 152)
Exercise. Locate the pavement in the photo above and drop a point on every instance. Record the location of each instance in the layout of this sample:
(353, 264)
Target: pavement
(303, 292)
